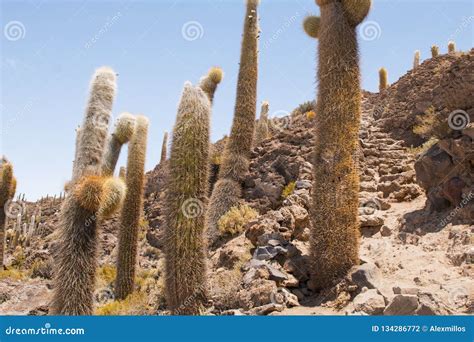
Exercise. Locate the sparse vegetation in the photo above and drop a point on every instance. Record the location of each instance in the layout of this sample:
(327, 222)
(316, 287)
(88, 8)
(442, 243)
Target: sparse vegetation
(234, 221)
(432, 124)
(288, 190)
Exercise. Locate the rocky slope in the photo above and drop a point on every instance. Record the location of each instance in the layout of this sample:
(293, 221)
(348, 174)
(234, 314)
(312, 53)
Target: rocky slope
(414, 260)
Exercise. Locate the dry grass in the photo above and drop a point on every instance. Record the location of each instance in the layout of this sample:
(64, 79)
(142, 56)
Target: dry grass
(234, 221)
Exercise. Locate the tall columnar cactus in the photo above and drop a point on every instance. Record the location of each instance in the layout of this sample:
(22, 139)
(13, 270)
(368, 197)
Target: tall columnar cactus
(334, 213)
(416, 59)
(131, 211)
(186, 200)
(123, 132)
(383, 79)
(88, 197)
(122, 173)
(210, 82)
(7, 191)
(434, 51)
(451, 47)
(262, 131)
(227, 191)
(164, 148)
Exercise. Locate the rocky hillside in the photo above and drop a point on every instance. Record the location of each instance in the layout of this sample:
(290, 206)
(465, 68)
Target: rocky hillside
(414, 259)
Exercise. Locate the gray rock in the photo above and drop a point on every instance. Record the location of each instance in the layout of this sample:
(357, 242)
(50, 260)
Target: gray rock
(385, 231)
(368, 275)
(402, 305)
(266, 309)
(369, 302)
(406, 290)
(303, 184)
(276, 274)
(374, 220)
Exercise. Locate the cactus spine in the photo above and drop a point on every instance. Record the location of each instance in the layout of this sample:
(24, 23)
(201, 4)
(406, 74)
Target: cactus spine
(210, 82)
(164, 148)
(76, 261)
(434, 51)
(132, 210)
(383, 79)
(227, 190)
(451, 47)
(186, 199)
(262, 131)
(122, 134)
(416, 59)
(335, 233)
(7, 192)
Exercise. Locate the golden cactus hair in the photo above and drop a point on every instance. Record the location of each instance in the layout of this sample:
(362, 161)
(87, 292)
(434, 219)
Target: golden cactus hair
(131, 210)
(334, 238)
(434, 51)
(124, 128)
(186, 200)
(241, 137)
(210, 82)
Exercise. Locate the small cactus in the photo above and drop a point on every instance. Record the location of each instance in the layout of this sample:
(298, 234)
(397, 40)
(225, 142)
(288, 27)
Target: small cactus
(7, 192)
(121, 135)
(451, 47)
(88, 195)
(383, 79)
(227, 189)
(262, 131)
(164, 148)
(186, 199)
(131, 211)
(416, 59)
(122, 173)
(434, 51)
(210, 82)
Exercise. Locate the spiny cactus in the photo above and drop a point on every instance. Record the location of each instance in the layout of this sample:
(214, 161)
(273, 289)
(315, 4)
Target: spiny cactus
(122, 173)
(88, 195)
(451, 47)
(131, 211)
(209, 82)
(416, 59)
(7, 191)
(383, 79)
(121, 135)
(434, 51)
(164, 148)
(186, 199)
(227, 190)
(334, 213)
(262, 131)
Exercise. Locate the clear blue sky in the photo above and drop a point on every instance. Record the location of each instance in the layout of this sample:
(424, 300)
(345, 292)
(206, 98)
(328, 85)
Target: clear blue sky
(48, 58)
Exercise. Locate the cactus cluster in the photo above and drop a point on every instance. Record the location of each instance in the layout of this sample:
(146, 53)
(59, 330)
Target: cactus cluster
(185, 203)
(7, 192)
(227, 190)
(335, 232)
(89, 194)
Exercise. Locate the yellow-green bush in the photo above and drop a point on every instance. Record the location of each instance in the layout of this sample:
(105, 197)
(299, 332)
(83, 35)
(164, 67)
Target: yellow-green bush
(18, 260)
(432, 124)
(236, 218)
(288, 190)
